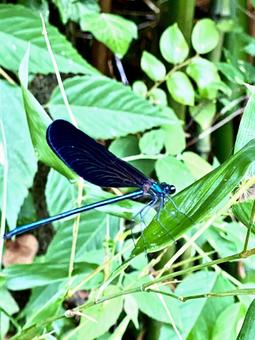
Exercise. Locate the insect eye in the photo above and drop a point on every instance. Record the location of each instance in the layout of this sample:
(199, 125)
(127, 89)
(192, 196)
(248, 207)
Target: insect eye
(171, 189)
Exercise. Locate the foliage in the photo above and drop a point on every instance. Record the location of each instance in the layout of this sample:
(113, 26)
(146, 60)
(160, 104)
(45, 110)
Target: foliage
(80, 286)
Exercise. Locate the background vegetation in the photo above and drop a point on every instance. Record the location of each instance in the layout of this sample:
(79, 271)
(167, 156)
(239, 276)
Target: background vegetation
(168, 86)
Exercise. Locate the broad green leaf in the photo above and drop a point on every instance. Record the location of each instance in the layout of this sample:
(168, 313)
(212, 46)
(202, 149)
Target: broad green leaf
(198, 316)
(205, 36)
(154, 305)
(200, 200)
(9, 305)
(204, 113)
(152, 142)
(20, 158)
(158, 97)
(180, 88)
(205, 74)
(243, 210)
(175, 140)
(74, 10)
(39, 308)
(128, 146)
(153, 67)
(231, 72)
(245, 133)
(250, 47)
(38, 121)
(112, 30)
(228, 322)
(26, 276)
(105, 108)
(171, 170)
(197, 165)
(61, 196)
(248, 329)
(140, 88)
(227, 238)
(246, 130)
(120, 330)
(7, 302)
(19, 26)
(100, 317)
(173, 46)
(131, 309)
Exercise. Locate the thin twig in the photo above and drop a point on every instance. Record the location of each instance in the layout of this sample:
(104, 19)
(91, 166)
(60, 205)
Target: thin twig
(56, 69)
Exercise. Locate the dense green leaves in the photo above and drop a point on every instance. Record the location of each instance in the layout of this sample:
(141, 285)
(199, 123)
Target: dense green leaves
(142, 127)
(28, 28)
(208, 194)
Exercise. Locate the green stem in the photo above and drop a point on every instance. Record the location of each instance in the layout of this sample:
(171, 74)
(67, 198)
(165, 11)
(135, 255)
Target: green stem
(247, 291)
(249, 227)
(174, 69)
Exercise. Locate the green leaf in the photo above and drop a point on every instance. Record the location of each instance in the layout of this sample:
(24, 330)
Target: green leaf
(26, 276)
(231, 72)
(128, 146)
(226, 238)
(7, 302)
(100, 317)
(61, 196)
(198, 316)
(180, 88)
(105, 108)
(19, 26)
(197, 165)
(204, 113)
(158, 97)
(205, 36)
(74, 10)
(203, 198)
(153, 67)
(248, 328)
(39, 308)
(38, 121)
(20, 160)
(140, 88)
(112, 30)
(206, 76)
(175, 140)
(173, 46)
(243, 210)
(171, 170)
(246, 130)
(152, 142)
(8, 306)
(131, 309)
(154, 305)
(227, 324)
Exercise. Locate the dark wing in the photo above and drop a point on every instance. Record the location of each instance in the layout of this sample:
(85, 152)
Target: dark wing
(89, 159)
